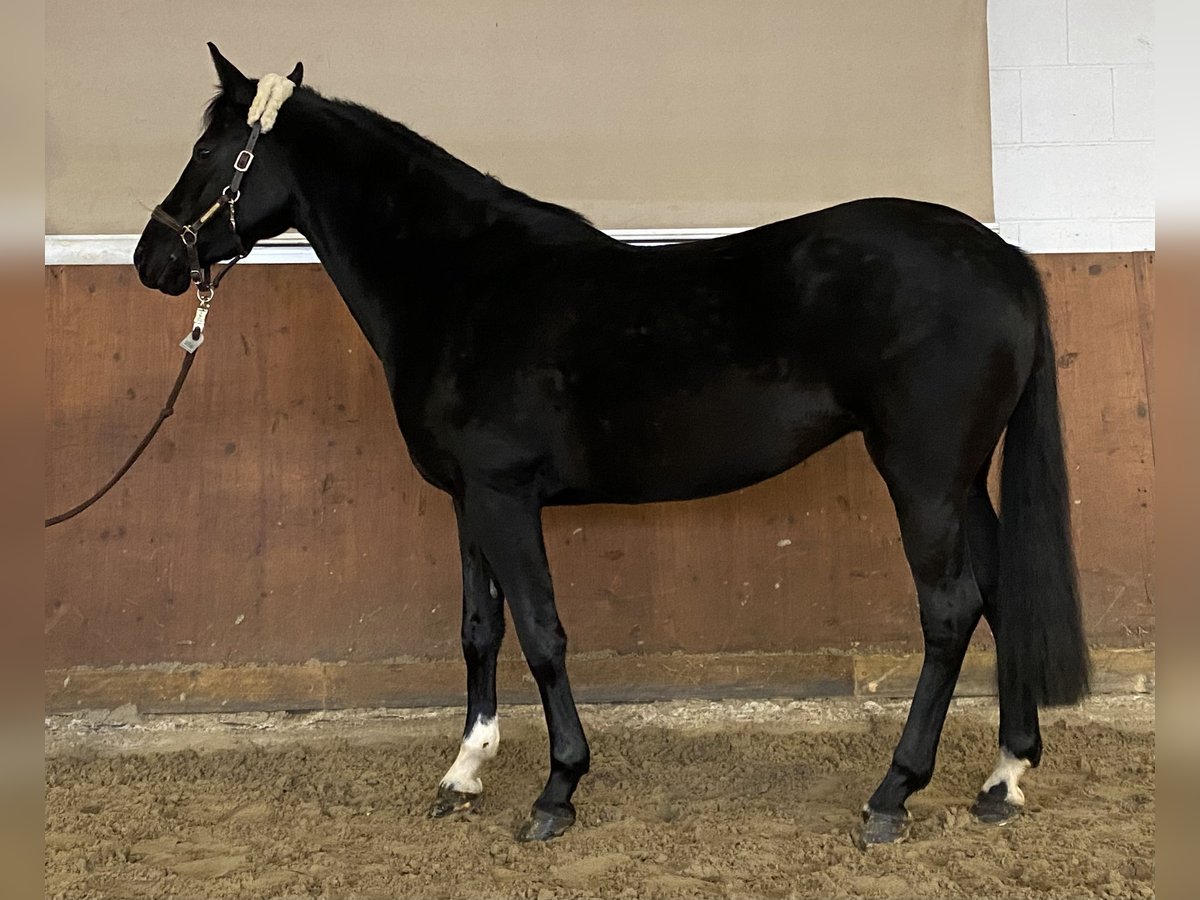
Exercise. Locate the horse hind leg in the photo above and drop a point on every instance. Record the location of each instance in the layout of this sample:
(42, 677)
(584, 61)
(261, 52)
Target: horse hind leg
(931, 510)
(1001, 799)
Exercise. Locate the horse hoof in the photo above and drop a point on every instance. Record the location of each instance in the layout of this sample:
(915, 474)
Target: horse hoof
(544, 826)
(883, 827)
(991, 810)
(450, 801)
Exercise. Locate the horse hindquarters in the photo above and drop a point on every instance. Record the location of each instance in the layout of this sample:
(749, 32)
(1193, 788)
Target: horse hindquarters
(931, 433)
(931, 428)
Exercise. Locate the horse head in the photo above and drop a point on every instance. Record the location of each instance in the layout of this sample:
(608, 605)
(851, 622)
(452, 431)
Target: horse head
(221, 206)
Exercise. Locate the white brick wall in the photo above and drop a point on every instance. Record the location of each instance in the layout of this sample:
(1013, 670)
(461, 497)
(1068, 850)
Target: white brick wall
(1073, 123)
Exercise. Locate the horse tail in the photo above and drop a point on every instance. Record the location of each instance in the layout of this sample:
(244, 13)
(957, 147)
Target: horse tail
(1040, 645)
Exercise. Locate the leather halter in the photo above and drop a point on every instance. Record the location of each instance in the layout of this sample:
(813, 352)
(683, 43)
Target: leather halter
(189, 234)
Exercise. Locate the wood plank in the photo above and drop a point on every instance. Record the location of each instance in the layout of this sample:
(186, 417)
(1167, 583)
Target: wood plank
(1115, 671)
(596, 677)
(1143, 284)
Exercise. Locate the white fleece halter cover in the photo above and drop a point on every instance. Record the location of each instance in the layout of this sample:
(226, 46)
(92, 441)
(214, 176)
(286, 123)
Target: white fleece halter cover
(272, 91)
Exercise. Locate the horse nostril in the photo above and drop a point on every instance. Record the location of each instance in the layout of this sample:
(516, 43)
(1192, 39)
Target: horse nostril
(139, 254)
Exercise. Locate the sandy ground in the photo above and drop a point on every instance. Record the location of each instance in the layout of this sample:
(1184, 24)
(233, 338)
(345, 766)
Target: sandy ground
(696, 799)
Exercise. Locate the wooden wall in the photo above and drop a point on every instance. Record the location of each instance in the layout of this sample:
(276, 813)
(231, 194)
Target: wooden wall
(278, 520)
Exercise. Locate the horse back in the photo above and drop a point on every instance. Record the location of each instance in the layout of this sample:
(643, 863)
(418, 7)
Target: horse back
(608, 373)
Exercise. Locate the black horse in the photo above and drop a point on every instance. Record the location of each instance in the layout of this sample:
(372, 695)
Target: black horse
(534, 361)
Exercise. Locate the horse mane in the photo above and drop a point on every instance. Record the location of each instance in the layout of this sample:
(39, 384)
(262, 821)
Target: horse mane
(416, 148)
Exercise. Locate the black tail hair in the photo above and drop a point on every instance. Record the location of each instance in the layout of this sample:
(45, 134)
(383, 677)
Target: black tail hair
(1040, 644)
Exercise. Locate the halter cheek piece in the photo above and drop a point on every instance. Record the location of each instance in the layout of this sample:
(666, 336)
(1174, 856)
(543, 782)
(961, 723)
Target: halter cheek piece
(189, 234)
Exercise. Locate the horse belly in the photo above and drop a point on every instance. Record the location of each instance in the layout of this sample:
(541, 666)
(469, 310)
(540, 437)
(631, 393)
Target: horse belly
(683, 446)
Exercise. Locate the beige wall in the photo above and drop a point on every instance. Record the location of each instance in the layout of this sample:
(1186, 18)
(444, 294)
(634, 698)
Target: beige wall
(673, 113)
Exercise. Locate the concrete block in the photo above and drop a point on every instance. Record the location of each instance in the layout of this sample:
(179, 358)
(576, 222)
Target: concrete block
(1066, 104)
(1113, 32)
(1073, 236)
(1134, 234)
(1027, 32)
(1133, 103)
(1112, 180)
(1006, 106)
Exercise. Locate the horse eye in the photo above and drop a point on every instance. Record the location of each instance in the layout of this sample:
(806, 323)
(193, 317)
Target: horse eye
(203, 152)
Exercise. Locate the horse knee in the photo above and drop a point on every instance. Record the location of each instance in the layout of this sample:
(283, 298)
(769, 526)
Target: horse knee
(546, 652)
(481, 634)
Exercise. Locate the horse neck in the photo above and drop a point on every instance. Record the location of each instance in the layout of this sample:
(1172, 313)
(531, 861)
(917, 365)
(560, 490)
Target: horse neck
(396, 221)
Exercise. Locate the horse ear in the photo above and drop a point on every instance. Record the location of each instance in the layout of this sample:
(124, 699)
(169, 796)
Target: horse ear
(231, 79)
(296, 76)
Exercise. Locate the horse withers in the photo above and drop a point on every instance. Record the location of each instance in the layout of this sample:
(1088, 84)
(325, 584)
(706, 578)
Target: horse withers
(533, 361)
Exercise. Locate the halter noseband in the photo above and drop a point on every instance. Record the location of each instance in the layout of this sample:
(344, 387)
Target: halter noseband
(189, 234)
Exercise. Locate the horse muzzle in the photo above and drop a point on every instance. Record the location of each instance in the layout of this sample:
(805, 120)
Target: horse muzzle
(161, 268)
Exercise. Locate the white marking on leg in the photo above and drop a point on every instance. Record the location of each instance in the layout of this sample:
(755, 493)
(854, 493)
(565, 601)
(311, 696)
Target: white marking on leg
(1008, 771)
(480, 745)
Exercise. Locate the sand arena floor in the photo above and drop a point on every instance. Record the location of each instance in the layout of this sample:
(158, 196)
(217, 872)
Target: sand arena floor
(686, 799)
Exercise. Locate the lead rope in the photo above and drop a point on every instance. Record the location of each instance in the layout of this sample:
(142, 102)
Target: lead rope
(273, 90)
(190, 343)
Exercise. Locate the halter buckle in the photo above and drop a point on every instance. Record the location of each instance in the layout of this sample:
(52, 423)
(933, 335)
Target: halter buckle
(188, 236)
(242, 163)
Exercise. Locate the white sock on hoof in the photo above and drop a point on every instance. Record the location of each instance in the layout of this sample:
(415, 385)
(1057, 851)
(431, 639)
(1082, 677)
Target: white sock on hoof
(1009, 771)
(480, 745)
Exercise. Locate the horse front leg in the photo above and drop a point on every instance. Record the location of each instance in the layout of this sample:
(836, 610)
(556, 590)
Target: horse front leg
(509, 530)
(461, 789)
